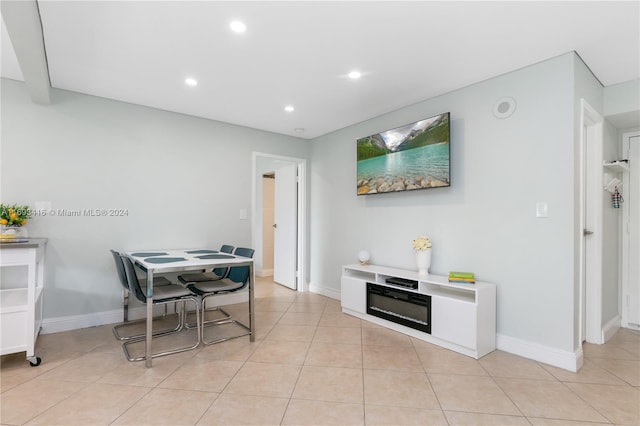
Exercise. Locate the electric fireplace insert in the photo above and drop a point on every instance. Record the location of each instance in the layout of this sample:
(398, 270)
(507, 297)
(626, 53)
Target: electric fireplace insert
(402, 307)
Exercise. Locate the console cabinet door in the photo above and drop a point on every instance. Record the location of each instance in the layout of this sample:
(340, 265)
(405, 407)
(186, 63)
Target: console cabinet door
(354, 294)
(454, 321)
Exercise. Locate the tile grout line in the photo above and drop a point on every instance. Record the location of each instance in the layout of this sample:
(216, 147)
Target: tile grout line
(284, 413)
(426, 373)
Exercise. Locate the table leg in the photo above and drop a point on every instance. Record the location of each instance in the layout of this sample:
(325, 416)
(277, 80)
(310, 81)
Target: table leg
(147, 346)
(252, 336)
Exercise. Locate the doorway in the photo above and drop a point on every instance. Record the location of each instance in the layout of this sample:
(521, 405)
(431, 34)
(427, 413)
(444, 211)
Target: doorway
(284, 210)
(268, 219)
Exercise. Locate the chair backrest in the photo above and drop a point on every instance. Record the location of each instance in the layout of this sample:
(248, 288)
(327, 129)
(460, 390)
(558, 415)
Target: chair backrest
(122, 275)
(222, 272)
(244, 252)
(240, 274)
(132, 279)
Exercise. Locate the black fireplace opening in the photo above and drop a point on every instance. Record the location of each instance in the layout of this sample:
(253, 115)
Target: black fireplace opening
(400, 306)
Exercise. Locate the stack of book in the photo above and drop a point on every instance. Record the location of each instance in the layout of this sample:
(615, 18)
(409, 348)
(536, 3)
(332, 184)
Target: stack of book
(462, 277)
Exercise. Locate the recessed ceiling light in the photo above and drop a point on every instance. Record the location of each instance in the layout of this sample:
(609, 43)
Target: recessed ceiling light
(191, 81)
(238, 27)
(354, 75)
(299, 129)
(289, 108)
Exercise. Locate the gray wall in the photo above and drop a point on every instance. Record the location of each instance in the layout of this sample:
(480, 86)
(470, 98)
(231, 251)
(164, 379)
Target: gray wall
(622, 104)
(622, 98)
(485, 222)
(183, 181)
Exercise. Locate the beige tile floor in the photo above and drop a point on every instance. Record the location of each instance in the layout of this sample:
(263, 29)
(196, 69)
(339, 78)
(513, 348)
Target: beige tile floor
(313, 365)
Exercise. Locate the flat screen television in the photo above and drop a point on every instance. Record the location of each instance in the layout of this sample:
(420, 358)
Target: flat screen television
(409, 157)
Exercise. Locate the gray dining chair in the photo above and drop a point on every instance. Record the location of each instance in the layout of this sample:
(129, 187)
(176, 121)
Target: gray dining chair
(122, 277)
(214, 275)
(161, 296)
(236, 279)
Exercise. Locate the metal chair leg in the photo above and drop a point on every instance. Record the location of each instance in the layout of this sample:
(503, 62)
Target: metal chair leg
(222, 321)
(209, 322)
(125, 305)
(179, 326)
(126, 344)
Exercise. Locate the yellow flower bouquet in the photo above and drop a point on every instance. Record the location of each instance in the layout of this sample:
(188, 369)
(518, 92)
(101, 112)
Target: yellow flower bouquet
(14, 215)
(421, 243)
(12, 221)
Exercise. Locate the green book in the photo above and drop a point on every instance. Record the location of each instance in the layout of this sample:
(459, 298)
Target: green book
(453, 274)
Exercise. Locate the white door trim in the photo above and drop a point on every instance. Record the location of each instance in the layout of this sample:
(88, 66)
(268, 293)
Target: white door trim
(302, 210)
(624, 231)
(590, 273)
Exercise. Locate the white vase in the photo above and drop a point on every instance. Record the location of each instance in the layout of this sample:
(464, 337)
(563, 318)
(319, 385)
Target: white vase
(423, 261)
(13, 233)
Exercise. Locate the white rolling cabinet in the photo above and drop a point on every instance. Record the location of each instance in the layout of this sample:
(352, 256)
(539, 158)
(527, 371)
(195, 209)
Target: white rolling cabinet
(21, 307)
(462, 317)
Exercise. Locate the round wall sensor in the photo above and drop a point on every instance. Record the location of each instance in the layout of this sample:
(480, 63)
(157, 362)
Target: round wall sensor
(504, 107)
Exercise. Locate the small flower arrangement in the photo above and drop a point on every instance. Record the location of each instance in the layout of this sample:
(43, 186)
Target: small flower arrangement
(421, 243)
(14, 215)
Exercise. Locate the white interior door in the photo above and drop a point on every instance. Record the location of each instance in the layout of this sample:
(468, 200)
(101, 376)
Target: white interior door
(631, 195)
(285, 226)
(590, 319)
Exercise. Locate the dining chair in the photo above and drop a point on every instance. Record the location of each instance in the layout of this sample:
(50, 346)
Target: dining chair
(214, 275)
(161, 296)
(217, 275)
(122, 277)
(237, 279)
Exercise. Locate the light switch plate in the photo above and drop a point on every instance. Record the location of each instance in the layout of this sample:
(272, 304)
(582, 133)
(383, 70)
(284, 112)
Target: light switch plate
(542, 210)
(243, 214)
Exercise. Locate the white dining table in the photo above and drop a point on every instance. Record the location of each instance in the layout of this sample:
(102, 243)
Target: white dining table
(155, 262)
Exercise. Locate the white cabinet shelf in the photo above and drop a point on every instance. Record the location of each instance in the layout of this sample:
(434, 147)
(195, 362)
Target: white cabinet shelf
(463, 316)
(617, 166)
(21, 307)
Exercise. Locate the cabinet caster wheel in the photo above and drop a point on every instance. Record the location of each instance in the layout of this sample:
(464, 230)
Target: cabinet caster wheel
(35, 363)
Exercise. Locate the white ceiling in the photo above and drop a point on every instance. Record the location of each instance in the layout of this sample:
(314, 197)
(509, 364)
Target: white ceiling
(299, 53)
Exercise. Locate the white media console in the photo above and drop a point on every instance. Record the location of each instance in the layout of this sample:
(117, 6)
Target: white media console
(462, 316)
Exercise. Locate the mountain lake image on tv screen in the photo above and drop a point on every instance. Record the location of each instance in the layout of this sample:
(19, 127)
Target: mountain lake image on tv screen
(413, 156)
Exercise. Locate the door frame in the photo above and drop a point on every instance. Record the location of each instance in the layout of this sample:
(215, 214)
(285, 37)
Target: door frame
(625, 240)
(590, 290)
(256, 217)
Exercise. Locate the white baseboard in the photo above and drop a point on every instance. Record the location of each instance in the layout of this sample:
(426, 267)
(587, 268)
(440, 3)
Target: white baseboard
(571, 361)
(60, 324)
(329, 292)
(611, 328)
(264, 272)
